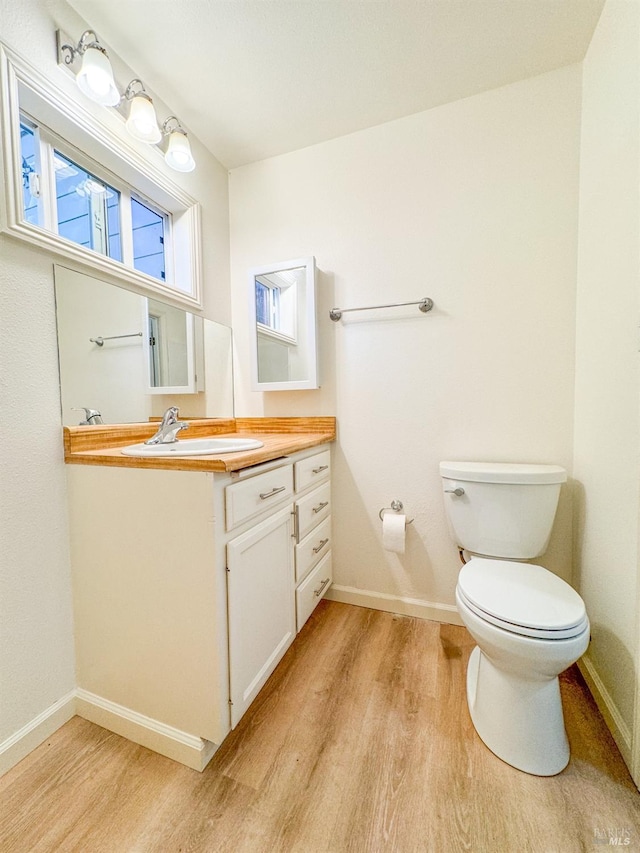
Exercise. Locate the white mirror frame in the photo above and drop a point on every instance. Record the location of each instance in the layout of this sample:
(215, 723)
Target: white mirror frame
(117, 155)
(309, 320)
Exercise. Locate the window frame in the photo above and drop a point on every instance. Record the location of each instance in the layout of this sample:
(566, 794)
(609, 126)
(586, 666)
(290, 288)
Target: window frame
(95, 138)
(27, 122)
(50, 145)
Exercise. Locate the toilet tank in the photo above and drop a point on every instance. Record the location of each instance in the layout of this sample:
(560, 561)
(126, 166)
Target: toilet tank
(504, 510)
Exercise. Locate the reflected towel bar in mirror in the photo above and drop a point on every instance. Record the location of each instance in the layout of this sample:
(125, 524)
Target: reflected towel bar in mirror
(100, 340)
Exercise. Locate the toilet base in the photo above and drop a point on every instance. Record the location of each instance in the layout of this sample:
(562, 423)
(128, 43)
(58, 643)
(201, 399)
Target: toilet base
(520, 720)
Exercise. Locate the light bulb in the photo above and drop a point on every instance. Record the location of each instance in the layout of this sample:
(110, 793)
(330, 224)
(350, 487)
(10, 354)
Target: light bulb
(178, 154)
(142, 123)
(95, 78)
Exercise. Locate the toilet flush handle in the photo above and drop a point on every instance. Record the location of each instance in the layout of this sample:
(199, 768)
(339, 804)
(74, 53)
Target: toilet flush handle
(458, 492)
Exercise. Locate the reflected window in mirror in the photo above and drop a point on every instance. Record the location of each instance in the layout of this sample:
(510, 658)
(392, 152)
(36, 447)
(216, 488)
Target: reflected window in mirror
(266, 305)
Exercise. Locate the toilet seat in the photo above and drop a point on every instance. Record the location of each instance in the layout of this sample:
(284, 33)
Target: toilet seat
(522, 598)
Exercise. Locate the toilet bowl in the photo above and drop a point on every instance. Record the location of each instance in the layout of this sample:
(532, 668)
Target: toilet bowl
(529, 626)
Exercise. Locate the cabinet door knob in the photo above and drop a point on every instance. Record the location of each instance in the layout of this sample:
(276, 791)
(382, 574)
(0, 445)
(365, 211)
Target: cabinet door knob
(320, 506)
(320, 546)
(320, 589)
(265, 495)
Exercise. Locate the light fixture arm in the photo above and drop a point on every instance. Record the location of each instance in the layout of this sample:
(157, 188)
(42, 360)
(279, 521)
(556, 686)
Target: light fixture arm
(70, 52)
(166, 130)
(130, 93)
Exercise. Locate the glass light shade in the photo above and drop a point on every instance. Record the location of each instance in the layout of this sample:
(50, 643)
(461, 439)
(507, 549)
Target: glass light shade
(95, 78)
(178, 154)
(142, 123)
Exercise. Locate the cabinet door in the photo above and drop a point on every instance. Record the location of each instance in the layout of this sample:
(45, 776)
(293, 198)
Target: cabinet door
(261, 593)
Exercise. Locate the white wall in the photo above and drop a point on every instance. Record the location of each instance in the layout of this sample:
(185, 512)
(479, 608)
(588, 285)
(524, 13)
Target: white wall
(36, 628)
(475, 205)
(607, 428)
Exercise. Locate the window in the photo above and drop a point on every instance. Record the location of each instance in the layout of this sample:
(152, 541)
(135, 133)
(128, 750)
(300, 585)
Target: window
(30, 187)
(79, 188)
(87, 208)
(148, 228)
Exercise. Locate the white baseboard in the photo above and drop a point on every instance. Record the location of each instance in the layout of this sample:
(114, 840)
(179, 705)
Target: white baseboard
(608, 708)
(20, 744)
(188, 749)
(395, 604)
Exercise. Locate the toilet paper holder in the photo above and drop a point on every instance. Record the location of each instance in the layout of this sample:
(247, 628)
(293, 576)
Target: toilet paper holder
(396, 506)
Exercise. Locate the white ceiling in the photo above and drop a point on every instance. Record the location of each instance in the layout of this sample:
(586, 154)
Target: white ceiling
(256, 78)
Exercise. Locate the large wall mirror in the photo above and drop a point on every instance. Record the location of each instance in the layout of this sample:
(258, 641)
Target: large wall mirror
(130, 357)
(283, 323)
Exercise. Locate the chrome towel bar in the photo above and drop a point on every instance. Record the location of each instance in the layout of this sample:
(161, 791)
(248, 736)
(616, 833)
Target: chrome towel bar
(424, 305)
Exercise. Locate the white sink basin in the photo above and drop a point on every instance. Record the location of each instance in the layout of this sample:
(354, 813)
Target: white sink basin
(194, 447)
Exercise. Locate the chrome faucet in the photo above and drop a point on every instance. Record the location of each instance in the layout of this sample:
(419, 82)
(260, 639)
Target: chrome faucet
(169, 428)
(92, 416)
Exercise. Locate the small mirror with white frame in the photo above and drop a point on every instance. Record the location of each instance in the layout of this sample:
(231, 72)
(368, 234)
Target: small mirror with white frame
(283, 326)
(171, 347)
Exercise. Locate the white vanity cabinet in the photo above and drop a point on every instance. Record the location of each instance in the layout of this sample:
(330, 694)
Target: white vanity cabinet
(189, 586)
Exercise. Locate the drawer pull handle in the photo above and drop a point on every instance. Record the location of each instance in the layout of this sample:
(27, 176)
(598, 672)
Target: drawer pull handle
(319, 547)
(265, 495)
(319, 507)
(318, 470)
(318, 592)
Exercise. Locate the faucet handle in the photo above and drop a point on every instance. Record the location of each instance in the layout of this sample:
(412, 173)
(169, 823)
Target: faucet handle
(170, 416)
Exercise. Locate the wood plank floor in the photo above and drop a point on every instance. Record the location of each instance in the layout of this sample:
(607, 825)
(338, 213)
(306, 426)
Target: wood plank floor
(360, 741)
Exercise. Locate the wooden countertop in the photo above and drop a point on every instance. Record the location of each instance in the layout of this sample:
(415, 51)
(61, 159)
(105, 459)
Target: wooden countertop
(101, 445)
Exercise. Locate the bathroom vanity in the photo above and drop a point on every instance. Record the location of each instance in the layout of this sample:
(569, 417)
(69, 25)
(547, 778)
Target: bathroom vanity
(192, 576)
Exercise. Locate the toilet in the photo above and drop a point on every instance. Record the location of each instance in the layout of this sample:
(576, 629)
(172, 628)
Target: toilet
(529, 625)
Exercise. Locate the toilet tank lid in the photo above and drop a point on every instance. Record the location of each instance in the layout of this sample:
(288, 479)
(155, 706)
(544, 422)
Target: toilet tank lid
(503, 472)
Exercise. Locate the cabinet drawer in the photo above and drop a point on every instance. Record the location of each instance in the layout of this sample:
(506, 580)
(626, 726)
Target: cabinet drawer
(312, 470)
(312, 509)
(312, 589)
(313, 548)
(257, 494)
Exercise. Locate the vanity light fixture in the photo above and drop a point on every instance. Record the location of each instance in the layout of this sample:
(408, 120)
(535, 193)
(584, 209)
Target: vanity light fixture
(142, 123)
(95, 77)
(178, 154)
